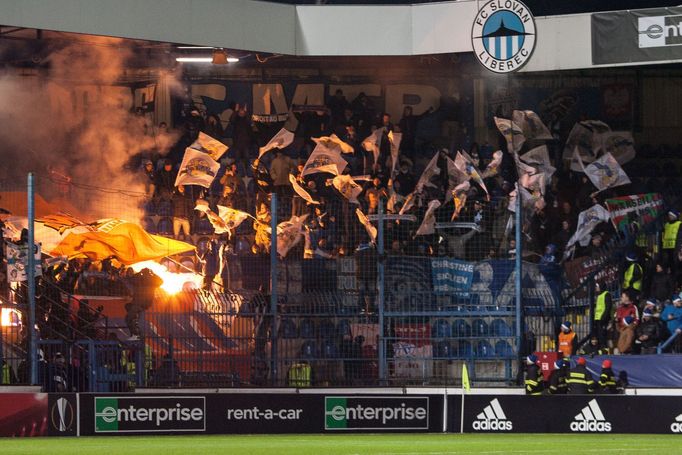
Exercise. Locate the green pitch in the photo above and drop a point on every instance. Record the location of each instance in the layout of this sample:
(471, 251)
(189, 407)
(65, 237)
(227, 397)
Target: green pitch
(384, 444)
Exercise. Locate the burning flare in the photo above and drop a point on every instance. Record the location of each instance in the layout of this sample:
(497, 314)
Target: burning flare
(172, 282)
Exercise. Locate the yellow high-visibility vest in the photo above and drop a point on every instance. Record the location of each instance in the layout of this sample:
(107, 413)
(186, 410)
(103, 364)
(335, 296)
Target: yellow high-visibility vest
(670, 231)
(629, 275)
(600, 305)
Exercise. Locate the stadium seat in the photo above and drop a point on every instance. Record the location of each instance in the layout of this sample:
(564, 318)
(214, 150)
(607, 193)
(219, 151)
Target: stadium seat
(287, 329)
(329, 350)
(306, 328)
(479, 328)
(461, 328)
(443, 349)
(500, 328)
(309, 350)
(503, 349)
(484, 349)
(326, 329)
(464, 349)
(441, 329)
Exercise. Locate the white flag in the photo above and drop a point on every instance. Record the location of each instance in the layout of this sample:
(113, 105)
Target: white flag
(393, 199)
(455, 177)
(587, 137)
(347, 187)
(539, 157)
(493, 168)
(289, 234)
(301, 191)
(531, 125)
(395, 139)
(512, 134)
(280, 140)
(334, 143)
(606, 173)
(371, 230)
(587, 221)
(324, 159)
(620, 144)
(430, 171)
(459, 197)
(226, 220)
(428, 226)
(466, 165)
(207, 144)
(372, 143)
(197, 168)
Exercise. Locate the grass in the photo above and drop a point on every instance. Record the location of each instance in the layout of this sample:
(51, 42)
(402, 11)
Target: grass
(379, 444)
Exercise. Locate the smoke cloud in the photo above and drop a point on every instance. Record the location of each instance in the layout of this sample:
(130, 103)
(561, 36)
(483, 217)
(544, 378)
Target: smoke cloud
(76, 121)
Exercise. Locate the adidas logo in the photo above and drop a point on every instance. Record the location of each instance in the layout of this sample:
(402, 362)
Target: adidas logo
(591, 419)
(492, 418)
(676, 426)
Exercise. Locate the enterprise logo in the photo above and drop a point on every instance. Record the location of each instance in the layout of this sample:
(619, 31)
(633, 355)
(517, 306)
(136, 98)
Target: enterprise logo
(659, 31)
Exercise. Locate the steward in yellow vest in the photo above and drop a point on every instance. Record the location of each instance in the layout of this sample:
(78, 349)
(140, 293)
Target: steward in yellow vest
(633, 275)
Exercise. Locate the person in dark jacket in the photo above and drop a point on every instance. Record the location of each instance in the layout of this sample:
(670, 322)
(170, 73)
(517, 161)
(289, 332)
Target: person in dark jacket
(580, 380)
(183, 207)
(165, 180)
(648, 333)
(557, 379)
(533, 382)
(661, 287)
(210, 263)
(594, 347)
(607, 380)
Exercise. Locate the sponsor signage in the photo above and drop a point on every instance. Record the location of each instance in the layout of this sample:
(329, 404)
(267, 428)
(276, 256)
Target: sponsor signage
(62, 414)
(225, 413)
(637, 36)
(150, 414)
(376, 413)
(503, 35)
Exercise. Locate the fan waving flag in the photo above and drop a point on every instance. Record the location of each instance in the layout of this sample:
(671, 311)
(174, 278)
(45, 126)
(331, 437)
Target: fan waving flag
(531, 125)
(587, 221)
(289, 234)
(128, 242)
(347, 187)
(372, 143)
(429, 172)
(197, 168)
(606, 173)
(428, 226)
(301, 191)
(324, 159)
(280, 140)
(213, 147)
(395, 139)
(465, 164)
(493, 168)
(334, 143)
(371, 230)
(512, 134)
(587, 138)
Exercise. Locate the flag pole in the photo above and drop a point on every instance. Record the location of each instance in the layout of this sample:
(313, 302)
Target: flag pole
(461, 412)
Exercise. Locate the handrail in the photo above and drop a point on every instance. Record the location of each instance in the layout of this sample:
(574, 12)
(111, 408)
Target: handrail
(661, 347)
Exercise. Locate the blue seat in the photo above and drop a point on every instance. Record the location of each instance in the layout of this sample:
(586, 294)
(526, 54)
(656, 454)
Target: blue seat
(500, 328)
(306, 328)
(484, 349)
(464, 349)
(443, 349)
(309, 350)
(287, 329)
(461, 328)
(441, 329)
(329, 350)
(343, 329)
(326, 329)
(479, 328)
(503, 349)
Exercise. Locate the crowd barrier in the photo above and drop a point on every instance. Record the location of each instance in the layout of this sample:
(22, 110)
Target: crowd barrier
(291, 411)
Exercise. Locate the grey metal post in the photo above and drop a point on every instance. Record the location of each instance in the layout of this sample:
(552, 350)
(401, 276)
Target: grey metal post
(519, 268)
(31, 278)
(273, 286)
(381, 297)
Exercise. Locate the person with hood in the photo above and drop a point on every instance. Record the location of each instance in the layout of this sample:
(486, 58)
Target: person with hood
(671, 240)
(661, 287)
(579, 380)
(533, 381)
(567, 340)
(607, 379)
(672, 316)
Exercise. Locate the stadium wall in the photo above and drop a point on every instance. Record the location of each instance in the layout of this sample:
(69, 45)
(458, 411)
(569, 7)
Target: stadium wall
(278, 411)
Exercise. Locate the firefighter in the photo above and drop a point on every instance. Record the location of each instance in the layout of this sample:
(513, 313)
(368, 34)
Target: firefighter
(593, 348)
(557, 379)
(633, 274)
(607, 380)
(580, 380)
(534, 385)
(567, 339)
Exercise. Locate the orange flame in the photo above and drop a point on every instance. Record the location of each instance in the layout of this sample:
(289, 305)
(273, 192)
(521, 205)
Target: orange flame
(172, 282)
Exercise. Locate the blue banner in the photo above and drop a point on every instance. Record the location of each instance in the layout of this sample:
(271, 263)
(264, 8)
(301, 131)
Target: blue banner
(451, 276)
